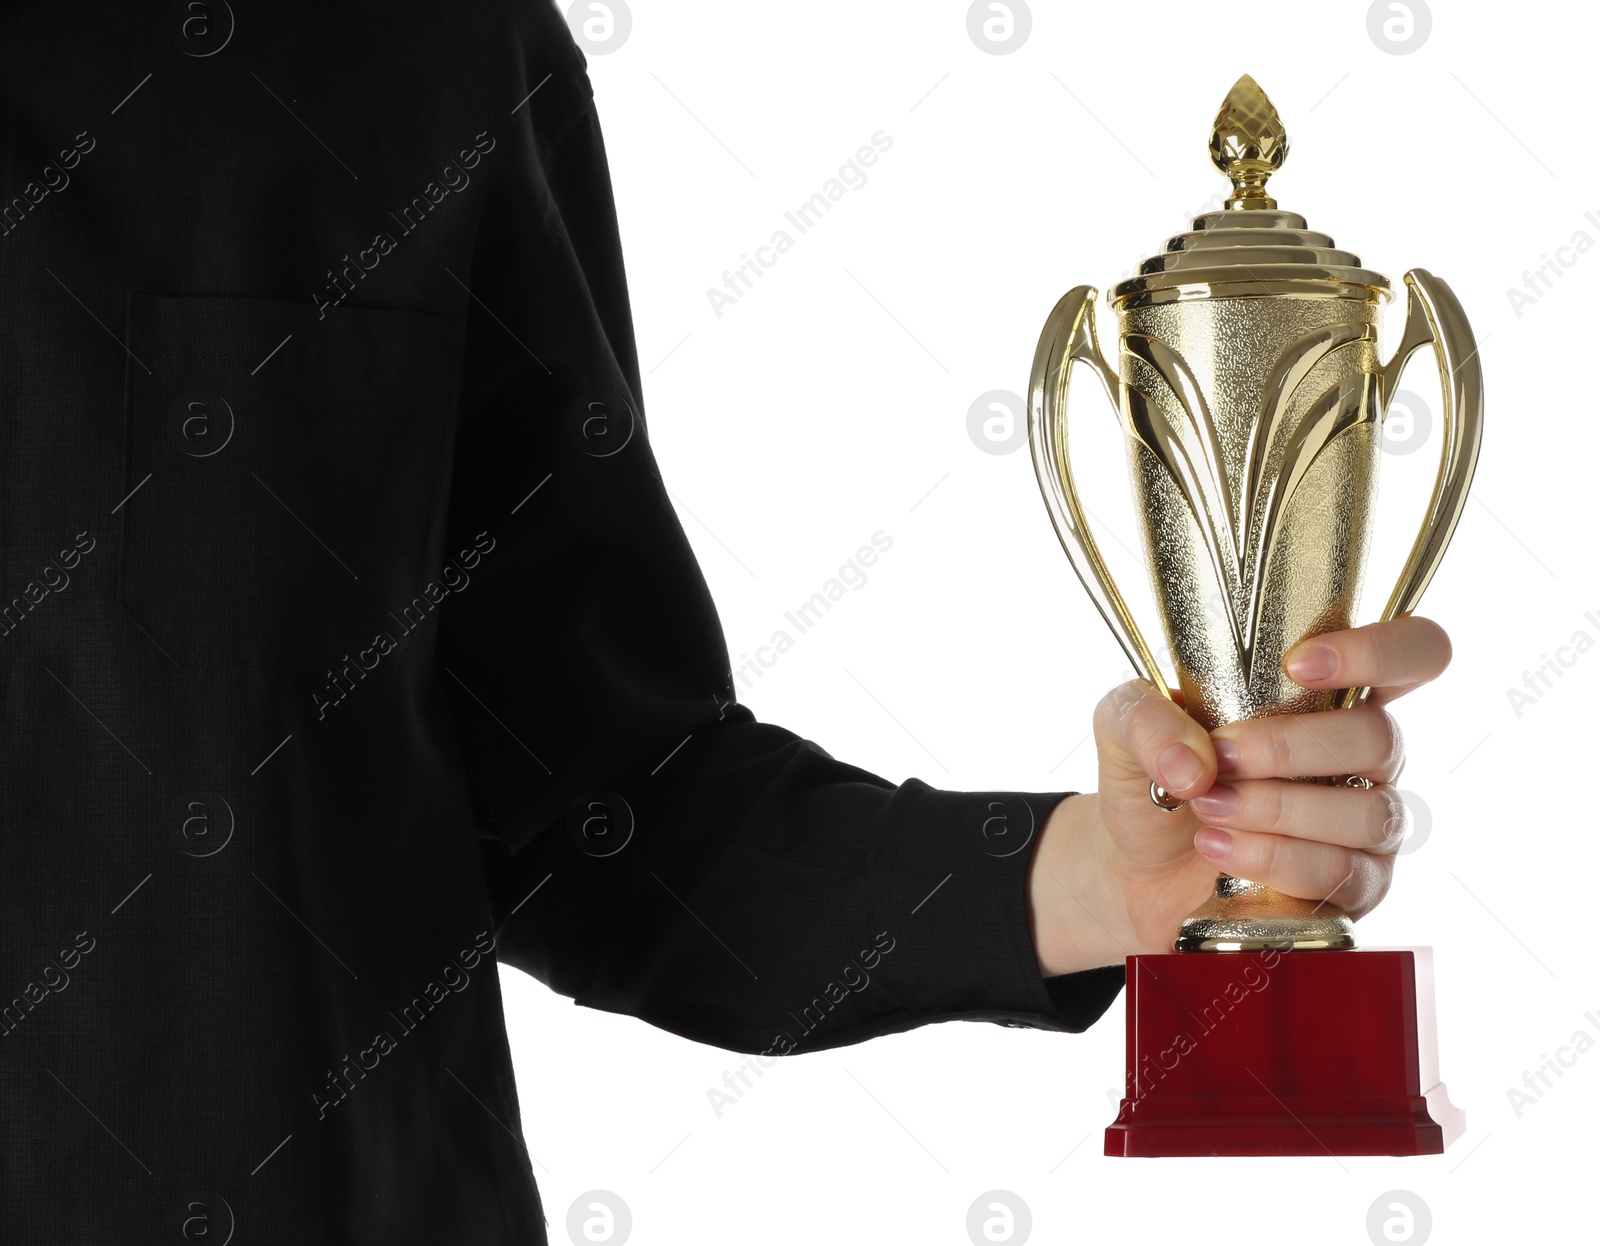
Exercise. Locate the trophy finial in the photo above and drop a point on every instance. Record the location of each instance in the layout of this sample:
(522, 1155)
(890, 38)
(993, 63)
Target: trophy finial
(1248, 143)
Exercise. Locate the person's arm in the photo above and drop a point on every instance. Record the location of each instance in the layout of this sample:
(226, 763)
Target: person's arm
(769, 897)
(764, 882)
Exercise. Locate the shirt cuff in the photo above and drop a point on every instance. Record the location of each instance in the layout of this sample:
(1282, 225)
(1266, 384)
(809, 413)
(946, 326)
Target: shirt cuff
(952, 886)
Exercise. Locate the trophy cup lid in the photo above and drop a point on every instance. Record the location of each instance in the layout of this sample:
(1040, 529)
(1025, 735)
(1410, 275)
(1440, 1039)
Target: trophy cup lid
(1250, 248)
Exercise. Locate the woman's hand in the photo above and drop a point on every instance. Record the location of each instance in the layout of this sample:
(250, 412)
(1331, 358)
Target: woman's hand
(1113, 874)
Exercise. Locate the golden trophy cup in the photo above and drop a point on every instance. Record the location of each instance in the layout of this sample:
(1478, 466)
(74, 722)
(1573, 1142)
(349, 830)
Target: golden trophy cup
(1247, 380)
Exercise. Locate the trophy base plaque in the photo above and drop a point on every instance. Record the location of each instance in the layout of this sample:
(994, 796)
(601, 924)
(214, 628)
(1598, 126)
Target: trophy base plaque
(1283, 1053)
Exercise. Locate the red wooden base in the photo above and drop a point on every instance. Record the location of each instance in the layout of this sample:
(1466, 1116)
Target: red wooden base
(1283, 1053)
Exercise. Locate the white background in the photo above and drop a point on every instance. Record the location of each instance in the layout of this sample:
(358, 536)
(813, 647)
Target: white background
(831, 401)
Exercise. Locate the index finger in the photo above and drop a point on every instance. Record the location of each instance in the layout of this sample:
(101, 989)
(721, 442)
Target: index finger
(1391, 658)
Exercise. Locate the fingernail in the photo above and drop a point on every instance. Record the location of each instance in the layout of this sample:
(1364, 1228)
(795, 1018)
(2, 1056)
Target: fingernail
(1210, 842)
(1227, 755)
(1219, 802)
(1179, 767)
(1316, 662)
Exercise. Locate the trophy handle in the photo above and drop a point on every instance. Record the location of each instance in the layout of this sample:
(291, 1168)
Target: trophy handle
(1068, 336)
(1434, 314)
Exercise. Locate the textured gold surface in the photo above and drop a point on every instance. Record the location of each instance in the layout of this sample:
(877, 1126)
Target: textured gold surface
(1253, 456)
(1242, 916)
(1247, 382)
(1253, 453)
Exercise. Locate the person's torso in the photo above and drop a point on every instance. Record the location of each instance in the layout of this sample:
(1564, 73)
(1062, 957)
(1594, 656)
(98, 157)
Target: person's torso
(243, 983)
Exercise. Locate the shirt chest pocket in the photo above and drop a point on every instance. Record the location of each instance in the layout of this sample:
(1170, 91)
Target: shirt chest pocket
(285, 475)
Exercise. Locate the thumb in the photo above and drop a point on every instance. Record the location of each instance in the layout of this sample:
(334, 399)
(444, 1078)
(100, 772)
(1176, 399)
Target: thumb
(1142, 737)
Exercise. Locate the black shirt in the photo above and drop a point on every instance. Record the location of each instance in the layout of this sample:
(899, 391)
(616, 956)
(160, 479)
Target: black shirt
(351, 646)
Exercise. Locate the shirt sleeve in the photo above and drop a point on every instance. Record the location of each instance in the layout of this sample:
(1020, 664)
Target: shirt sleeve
(650, 847)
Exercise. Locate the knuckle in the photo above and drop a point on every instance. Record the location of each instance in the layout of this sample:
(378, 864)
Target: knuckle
(1340, 866)
(1267, 856)
(1370, 877)
(1111, 714)
(1371, 656)
(1381, 875)
(1120, 700)
(1271, 805)
(1146, 724)
(1105, 715)
(1126, 695)
(1393, 743)
(1277, 743)
(1387, 818)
